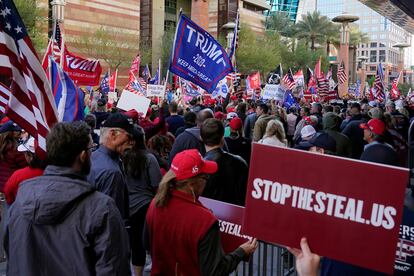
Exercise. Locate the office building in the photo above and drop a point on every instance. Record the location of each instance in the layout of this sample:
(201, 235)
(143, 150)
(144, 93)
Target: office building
(382, 33)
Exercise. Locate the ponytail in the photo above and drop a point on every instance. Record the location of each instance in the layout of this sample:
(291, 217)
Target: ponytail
(164, 189)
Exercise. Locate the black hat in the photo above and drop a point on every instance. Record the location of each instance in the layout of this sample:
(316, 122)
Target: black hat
(120, 120)
(101, 102)
(10, 126)
(324, 141)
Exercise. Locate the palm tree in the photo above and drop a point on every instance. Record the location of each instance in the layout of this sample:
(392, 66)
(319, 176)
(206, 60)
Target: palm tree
(281, 23)
(313, 27)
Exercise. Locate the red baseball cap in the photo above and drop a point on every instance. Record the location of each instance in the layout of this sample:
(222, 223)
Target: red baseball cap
(190, 163)
(376, 126)
(236, 123)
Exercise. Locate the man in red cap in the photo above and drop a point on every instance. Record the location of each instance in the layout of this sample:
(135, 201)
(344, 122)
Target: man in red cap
(377, 149)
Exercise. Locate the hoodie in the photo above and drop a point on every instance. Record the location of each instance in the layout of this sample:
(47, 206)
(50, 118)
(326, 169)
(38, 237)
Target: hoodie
(59, 225)
(330, 126)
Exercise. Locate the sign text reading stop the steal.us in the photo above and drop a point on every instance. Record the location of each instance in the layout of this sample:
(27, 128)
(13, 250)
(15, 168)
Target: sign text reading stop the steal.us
(348, 210)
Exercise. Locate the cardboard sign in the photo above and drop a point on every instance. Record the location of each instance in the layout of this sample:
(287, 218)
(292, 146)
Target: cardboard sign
(129, 100)
(230, 222)
(348, 210)
(155, 90)
(273, 91)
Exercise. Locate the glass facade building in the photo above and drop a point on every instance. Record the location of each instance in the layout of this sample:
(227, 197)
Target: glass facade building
(288, 6)
(382, 33)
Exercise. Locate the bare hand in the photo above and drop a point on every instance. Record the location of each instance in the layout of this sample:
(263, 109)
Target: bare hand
(250, 246)
(307, 263)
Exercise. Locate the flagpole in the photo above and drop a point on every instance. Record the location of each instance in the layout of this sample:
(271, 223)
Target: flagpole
(116, 76)
(62, 50)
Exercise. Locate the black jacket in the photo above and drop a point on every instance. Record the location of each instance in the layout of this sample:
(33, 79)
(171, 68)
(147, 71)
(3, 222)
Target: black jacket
(59, 225)
(229, 183)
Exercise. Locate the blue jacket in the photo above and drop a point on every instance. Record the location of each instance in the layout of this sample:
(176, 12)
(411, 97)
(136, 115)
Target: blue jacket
(107, 177)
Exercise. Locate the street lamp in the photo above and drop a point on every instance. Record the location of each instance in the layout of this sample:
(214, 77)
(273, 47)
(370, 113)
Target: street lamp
(401, 47)
(229, 28)
(58, 10)
(363, 75)
(344, 19)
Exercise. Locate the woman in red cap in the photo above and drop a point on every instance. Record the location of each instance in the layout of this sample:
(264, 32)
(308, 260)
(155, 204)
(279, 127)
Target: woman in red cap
(183, 235)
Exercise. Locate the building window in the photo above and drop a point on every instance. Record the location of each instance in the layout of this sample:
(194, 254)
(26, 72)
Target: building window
(372, 68)
(382, 56)
(373, 56)
(169, 25)
(171, 6)
(373, 44)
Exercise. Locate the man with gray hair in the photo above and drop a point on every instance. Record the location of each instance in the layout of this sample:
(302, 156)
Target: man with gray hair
(106, 172)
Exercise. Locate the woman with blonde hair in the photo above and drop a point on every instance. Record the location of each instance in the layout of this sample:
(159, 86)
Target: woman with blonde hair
(182, 235)
(274, 135)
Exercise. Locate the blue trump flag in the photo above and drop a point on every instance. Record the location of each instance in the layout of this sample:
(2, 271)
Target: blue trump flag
(69, 99)
(197, 56)
(105, 84)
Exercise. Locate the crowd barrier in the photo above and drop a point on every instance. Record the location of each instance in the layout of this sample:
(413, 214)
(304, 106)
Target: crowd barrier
(268, 260)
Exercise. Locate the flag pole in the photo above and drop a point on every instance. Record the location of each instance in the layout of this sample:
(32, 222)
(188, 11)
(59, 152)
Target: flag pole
(116, 76)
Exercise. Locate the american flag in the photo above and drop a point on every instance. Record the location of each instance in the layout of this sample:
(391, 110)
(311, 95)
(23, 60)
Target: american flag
(31, 104)
(142, 82)
(379, 91)
(134, 86)
(341, 73)
(135, 64)
(288, 80)
(105, 84)
(4, 98)
(323, 86)
(53, 48)
(395, 92)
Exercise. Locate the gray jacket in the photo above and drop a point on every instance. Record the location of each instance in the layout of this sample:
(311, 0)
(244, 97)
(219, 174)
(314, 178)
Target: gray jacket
(59, 225)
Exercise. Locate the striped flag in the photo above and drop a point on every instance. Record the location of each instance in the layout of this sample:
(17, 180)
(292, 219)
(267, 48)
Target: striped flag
(4, 98)
(134, 86)
(379, 90)
(112, 81)
(341, 73)
(395, 92)
(135, 64)
(288, 80)
(142, 82)
(69, 98)
(54, 48)
(31, 105)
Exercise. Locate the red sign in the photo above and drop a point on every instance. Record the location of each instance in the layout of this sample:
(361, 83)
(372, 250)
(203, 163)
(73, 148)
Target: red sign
(81, 70)
(230, 222)
(348, 210)
(254, 80)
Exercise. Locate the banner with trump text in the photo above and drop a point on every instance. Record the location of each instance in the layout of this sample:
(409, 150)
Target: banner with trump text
(197, 56)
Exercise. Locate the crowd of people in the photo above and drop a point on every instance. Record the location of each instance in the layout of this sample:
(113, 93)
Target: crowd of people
(119, 184)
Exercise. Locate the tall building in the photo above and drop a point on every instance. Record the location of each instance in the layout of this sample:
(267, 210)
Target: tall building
(83, 18)
(290, 7)
(382, 32)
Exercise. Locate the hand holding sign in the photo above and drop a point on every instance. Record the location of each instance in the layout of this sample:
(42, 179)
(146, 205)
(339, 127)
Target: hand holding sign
(249, 247)
(307, 263)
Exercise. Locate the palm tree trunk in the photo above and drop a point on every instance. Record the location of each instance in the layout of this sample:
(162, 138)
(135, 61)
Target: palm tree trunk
(328, 44)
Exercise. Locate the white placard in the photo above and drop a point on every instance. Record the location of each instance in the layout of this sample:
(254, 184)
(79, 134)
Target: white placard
(273, 91)
(112, 97)
(131, 100)
(154, 90)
